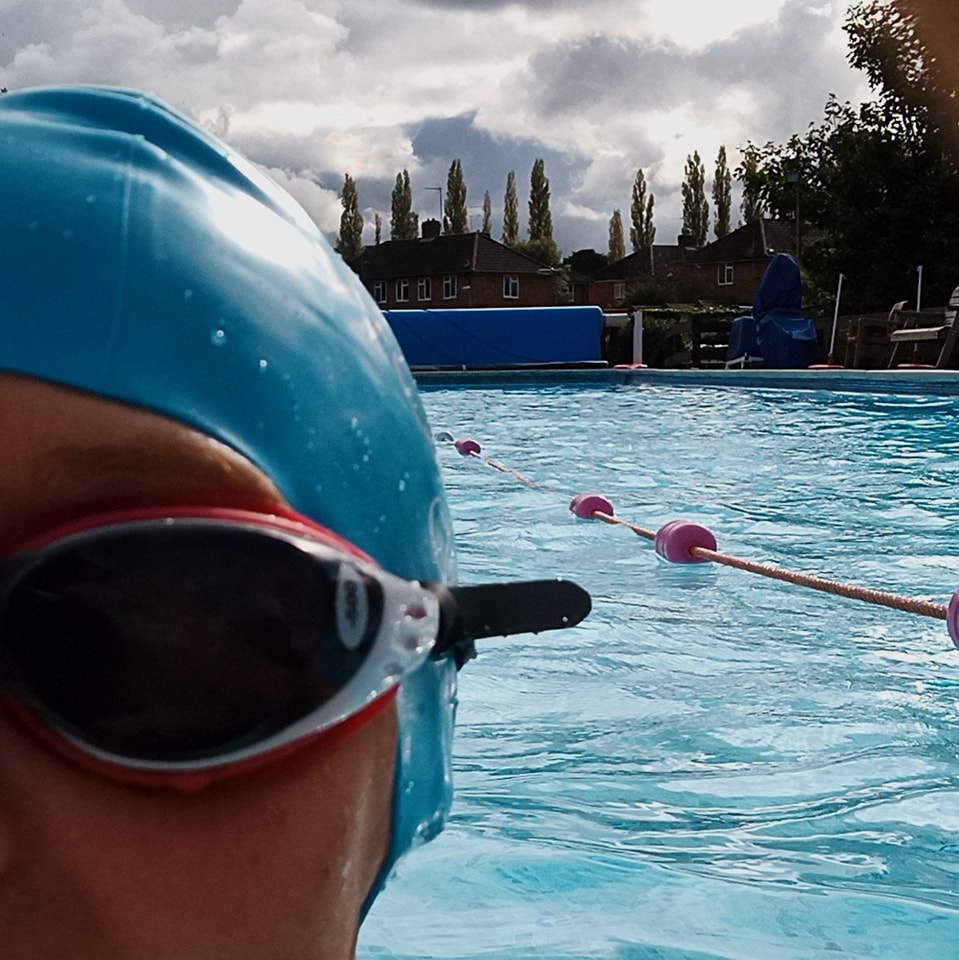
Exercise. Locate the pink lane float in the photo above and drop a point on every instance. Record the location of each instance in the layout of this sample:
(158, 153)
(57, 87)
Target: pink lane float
(683, 541)
(467, 446)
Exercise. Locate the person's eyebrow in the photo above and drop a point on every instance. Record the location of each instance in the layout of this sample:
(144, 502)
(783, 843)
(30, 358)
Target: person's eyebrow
(114, 460)
(112, 465)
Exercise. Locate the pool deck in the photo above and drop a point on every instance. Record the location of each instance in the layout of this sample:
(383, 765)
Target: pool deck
(927, 381)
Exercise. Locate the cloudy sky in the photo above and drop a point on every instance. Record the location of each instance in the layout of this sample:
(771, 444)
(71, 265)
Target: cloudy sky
(313, 89)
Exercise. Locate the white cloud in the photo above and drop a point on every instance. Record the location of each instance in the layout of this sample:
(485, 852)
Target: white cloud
(312, 89)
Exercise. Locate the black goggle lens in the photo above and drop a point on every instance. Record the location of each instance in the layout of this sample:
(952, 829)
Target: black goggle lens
(181, 646)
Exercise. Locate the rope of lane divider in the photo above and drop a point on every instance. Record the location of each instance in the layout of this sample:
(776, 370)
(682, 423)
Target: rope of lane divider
(468, 447)
(682, 541)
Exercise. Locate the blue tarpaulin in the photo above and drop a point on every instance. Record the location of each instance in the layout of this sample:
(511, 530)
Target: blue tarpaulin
(507, 336)
(777, 331)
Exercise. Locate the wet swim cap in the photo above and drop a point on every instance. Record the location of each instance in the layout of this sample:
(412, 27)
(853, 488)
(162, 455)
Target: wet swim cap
(142, 260)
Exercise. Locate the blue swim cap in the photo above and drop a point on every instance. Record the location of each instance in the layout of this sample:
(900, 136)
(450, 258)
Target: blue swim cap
(142, 260)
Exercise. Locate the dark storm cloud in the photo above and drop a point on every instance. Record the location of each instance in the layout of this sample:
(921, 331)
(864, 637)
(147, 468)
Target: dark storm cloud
(487, 160)
(604, 72)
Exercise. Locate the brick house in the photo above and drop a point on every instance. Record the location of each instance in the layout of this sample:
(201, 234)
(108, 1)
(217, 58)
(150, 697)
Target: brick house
(660, 265)
(453, 270)
(727, 271)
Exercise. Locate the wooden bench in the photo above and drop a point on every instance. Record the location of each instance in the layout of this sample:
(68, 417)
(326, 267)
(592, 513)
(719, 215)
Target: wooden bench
(867, 341)
(925, 331)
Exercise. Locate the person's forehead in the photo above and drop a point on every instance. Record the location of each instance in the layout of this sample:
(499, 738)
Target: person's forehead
(80, 431)
(67, 452)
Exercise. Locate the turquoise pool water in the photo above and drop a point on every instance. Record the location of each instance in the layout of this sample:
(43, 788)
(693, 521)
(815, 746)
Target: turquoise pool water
(714, 765)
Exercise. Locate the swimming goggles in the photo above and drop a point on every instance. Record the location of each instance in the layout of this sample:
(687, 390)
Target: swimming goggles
(176, 643)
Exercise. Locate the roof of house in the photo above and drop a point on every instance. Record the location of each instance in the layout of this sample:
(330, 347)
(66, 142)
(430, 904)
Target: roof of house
(753, 241)
(659, 260)
(453, 253)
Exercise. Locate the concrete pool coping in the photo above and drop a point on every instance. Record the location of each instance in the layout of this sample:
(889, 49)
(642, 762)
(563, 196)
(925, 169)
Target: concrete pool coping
(925, 382)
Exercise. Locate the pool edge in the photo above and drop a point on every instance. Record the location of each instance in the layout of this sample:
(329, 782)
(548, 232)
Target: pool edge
(933, 382)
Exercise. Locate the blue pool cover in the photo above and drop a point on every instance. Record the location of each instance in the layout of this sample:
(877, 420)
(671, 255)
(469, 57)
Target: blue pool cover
(498, 336)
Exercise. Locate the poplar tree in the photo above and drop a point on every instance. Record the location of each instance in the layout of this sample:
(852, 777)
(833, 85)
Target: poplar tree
(487, 214)
(641, 232)
(617, 245)
(540, 218)
(650, 228)
(540, 245)
(722, 195)
(404, 222)
(510, 212)
(377, 229)
(695, 205)
(349, 244)
(455, 216)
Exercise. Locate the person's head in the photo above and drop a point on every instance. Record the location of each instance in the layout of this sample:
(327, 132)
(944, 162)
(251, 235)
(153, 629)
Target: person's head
(185, 364)
(228, 634)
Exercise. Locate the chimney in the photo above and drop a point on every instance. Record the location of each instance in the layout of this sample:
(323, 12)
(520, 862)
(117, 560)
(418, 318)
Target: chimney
(685, 241)
(431, 229)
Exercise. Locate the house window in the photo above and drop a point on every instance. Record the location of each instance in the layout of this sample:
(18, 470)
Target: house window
(619, 291)
(424, 288)
(511, 286)
(449, 287)
(379, 291)
(725, 274)
(402, 291)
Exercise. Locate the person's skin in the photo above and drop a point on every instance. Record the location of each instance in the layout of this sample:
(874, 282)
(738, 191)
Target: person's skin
(272, 864)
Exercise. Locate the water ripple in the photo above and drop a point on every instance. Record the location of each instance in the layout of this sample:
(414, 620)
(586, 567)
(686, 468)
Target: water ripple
(713, 765)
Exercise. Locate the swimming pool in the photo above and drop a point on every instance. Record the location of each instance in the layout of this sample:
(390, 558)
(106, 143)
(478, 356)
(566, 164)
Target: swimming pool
(714, 765)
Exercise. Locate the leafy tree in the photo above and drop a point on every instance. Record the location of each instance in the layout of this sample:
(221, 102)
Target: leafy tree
(404, 222)
(545, 251)
(510, 212)
(586, 262)
(722, 195)
(641, 232)
(914, 95)
(747, 173)
(695, 206)
(874, 205)
(877, 187)
(455, 216)
(349, 244)
(377, 229)
(487, 227)
(617, 244)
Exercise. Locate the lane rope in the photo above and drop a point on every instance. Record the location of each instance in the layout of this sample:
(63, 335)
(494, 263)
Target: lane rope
(682, 541)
